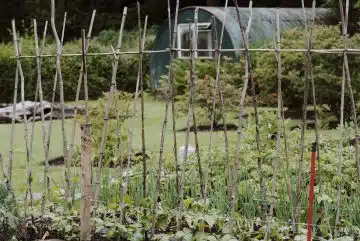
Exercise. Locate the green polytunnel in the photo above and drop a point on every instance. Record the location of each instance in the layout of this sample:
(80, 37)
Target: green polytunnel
(263, 28)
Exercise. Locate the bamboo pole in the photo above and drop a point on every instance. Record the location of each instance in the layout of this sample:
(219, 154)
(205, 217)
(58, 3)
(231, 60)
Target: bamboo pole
(288, 171)
(52, 107)
(2, 166)
(12, 130)
(37, 86)
(299, 185)
(74, 124)
(131, 135)
(311, 76)
(107, 112)
(245, 38)
(279, 118)
(344, 19)
(193, 80)
(188, 121)
(85, 223)
(26, 134)
(86, 185)
(340, 152)
(142, 93)
(238, 50)
(214, 92)
(222, 105)
(172, 42)
(85, 210)
(40, 92)
(62, 106)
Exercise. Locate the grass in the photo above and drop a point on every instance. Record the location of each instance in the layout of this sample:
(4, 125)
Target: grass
(154, 115)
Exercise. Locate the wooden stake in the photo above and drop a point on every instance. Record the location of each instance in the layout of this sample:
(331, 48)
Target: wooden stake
(222, 105)
(193, 87)
(188, 121)
(131, 135)
(62, 105)
(37, 87)
(107, 112)
(245, 38)
(73, 130)
(53, 99)
(279, 118)
(85, 208)
(43, 125)
(26, 134)
(299, 185)
(214, 93)
(142, 93)
(2, 166)
(171, 83)
(172, 41)
(12, 131)
(344, 19)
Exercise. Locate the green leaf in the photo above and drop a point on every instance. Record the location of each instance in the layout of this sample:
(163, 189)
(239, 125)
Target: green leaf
(68, 228)
(227, 237)
(210, 220)
(165, 238)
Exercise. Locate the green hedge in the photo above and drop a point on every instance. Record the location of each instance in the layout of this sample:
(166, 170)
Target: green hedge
(99, 70)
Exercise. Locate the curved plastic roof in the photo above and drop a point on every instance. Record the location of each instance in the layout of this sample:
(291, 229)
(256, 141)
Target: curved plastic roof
(262, 28)
(263, 20)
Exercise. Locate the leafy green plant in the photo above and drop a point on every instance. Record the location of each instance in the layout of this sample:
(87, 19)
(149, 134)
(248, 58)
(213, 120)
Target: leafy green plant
(327, 69)
(9, 217)
(230, 83)
(120, 111)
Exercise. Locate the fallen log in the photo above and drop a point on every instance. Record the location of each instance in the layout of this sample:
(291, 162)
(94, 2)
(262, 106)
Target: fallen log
(6, 113)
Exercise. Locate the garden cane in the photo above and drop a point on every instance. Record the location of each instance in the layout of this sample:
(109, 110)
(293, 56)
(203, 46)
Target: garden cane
(311, 191)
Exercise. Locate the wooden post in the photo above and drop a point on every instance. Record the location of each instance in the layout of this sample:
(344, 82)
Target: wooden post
(85, 208)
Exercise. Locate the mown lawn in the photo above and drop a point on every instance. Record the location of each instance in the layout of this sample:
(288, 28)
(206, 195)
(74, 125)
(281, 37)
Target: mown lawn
(154, 114)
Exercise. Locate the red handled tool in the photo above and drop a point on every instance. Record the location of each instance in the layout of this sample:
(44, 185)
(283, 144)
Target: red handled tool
(311, 192)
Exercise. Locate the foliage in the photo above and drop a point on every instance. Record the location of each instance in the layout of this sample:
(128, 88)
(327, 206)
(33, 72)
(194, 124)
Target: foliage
(9, 220)
(327, 72)
(230, 84)
(99, 69)
(120, 110)
(327, 69)
(208, 219)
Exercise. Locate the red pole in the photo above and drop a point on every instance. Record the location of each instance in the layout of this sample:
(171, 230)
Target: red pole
(311, 192)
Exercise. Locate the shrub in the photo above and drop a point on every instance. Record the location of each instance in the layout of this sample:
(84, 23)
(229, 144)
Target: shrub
(231, 82)
(99, 68)
(327, 69)
(121, 106)
(9, 220)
